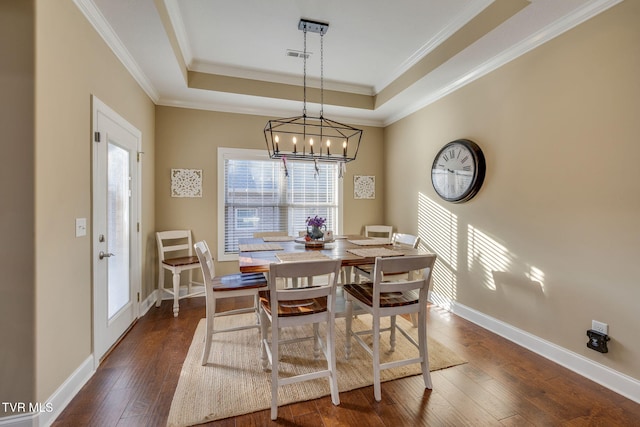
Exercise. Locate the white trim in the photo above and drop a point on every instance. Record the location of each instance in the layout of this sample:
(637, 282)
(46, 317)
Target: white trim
(102, 27)
(147, 303)
(99, 107)
(26, 420)
(535, 40)
(58, 400)
(616, 381)
(462, 19)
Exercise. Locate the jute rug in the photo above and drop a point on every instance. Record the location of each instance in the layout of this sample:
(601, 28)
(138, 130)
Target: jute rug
(233, 382)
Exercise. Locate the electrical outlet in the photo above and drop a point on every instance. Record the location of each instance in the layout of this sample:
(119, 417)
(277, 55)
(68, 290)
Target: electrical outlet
(603, 328)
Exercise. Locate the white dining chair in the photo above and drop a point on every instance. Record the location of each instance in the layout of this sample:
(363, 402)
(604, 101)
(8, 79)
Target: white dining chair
(380, 231)
(283, 307)
(175, 254)
(384, 298)
(399, 240)
(227, 286)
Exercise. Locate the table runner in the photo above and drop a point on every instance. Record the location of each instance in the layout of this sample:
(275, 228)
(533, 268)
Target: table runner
(374, 252)
(251, 247)
(301, 256)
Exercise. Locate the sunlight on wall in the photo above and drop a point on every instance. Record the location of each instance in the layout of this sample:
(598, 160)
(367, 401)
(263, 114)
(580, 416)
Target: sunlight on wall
(438, 231)
(487, 254)
(489, 262)
(536, 275)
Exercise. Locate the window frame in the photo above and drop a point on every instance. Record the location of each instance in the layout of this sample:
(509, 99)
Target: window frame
(252, 154)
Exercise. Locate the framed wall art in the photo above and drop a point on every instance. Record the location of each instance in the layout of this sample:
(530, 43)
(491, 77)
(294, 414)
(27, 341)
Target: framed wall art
(186, 182)
(364, 187)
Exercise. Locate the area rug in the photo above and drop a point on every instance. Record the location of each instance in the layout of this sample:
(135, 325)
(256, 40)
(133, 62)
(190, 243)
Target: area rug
(233, 382)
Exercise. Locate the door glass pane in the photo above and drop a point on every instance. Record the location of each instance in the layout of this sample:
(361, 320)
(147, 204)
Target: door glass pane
(118, 291)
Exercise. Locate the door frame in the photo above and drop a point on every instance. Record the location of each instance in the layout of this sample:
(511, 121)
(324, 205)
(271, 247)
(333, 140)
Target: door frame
(97, 106)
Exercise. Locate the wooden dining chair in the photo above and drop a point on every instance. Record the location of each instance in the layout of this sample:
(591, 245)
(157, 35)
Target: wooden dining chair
(175, 255)
(398, 239)
(383, 298)
(228, 286)
(283, 307)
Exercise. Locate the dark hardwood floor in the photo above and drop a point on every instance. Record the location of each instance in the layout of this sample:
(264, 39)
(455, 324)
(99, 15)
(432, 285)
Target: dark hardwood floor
(503, 384)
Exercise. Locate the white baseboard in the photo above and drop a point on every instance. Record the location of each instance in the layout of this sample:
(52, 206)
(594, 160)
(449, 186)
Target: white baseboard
(67, 391)
(616, 381)
(26, 420)
(147, 303)
(53, 407)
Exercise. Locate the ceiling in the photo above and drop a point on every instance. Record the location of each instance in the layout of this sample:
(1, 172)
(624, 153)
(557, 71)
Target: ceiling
(382, 61)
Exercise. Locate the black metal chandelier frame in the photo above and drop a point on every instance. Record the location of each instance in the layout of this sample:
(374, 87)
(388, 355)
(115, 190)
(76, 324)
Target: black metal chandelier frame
(294, 138)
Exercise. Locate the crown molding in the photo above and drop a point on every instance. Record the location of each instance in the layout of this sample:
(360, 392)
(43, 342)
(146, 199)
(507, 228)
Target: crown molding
(546, 34)
(102, 27)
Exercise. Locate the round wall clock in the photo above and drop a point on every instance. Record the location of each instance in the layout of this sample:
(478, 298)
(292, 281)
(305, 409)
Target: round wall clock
(458, 171)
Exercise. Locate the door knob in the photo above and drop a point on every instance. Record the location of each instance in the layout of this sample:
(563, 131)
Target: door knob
(102, 255)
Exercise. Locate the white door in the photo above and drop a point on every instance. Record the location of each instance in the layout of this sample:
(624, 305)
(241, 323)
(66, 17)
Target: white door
(115, 235)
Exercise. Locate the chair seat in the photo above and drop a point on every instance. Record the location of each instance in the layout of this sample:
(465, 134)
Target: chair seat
(237, 281)
(294, 307)
(363, 292)
(182, 261)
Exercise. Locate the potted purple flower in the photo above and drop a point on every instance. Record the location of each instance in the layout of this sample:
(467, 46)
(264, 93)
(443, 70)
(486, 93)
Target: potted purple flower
(315, 227)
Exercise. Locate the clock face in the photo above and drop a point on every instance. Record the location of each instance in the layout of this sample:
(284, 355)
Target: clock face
(458, 171)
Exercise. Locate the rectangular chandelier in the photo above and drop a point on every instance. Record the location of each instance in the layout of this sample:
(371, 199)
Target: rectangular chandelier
(312, 138)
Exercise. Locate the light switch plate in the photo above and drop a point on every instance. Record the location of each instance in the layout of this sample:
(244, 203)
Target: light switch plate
(81, 227)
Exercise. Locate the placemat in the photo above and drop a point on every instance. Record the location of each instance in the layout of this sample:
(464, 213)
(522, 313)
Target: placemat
(252, 247)
(278, 238)
(301, 256)
(375, 252)
(375, 241)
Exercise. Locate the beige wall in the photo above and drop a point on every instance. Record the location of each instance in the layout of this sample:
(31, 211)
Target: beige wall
(560, 204)
(17, 350)
(73, 63)
(189, 139)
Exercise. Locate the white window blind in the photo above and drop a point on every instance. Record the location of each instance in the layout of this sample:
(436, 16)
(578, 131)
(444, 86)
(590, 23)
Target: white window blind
(259, 197)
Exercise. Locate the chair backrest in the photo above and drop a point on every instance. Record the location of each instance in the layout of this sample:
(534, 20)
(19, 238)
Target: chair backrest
(402, 264)
(299, 269)
(378, 231)
(174, 241)
(206, 263)
(269, 234)
(405, 240)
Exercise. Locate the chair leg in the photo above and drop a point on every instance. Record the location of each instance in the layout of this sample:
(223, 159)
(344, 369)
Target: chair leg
(392, 336)
(274, 372)
(208, 338)
(160, 286)
(256, 308)
(331, 362)
(176, 294)
(414, 319)
(422, 344)
(377, 393)
(348, 319)
(316, 341)
(264, 337)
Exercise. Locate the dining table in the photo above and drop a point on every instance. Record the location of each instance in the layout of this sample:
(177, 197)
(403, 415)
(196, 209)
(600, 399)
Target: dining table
(256, 254)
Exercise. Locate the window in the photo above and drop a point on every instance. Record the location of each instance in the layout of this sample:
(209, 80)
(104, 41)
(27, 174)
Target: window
(255, 195)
